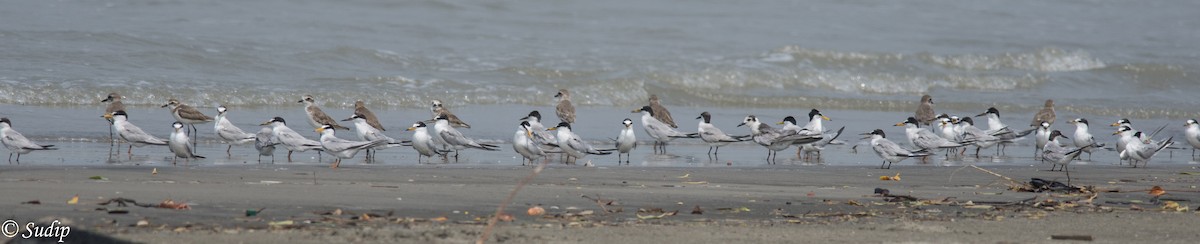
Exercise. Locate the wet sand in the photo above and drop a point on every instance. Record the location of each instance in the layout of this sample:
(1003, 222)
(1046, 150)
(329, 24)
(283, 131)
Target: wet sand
(448, 203)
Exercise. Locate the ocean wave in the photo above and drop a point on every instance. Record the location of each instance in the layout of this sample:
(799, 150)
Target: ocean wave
(1043, 60)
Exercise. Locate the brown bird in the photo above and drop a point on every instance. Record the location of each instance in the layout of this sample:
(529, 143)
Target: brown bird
(925, 114)
(565, 111)
(438, 110)
(114, 105)
(316, 117)
(1047, 114)
(661, 112)
(361, 109)
(187, 115)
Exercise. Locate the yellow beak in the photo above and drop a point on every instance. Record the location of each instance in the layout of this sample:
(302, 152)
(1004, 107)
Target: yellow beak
(266, 123)
(552, 128)
(900, 124)
(412, 128)
(320, 130)
(636, 110)
(529, 134)
(1118, 132)
(1115, 124)
(780, 123)
(110, 116)
(825, 118)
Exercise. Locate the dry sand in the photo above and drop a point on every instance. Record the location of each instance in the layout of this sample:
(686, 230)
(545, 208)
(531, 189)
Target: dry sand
(447, 203)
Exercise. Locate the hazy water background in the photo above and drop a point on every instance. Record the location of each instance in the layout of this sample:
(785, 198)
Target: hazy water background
(493, 61)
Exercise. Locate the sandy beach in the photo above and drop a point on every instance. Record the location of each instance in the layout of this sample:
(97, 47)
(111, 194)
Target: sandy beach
(450, 203)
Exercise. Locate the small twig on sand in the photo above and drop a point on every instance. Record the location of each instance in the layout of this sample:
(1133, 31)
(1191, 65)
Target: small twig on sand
(487, 231)
(1012, 182)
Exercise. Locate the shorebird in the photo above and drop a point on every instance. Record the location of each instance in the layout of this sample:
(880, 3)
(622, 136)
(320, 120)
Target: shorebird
(978, 137)
(1141, 151)
(889, 151)
(626, 141)
(713, 136)
(925, 139)
(1045, 115)
(187, 115)
(366, 132)
(423, 142)
(775, 139)
(178, 143)
(360, 109)
(540, 135)
(998, 128)
(114, 105)
(438, 109)
(925, 114)
(342, 148)
(132, 134)
(1061, 156)
(1193, 134)
(316, 117)
(265, 143)
(565, 111)
(525, 144)
(661, 112)
(229, 133)
(17, 143)
(456, 139)
(574, 147)
(290, 139)
(1082, 136)
(661, 132)
(1043, 137)
(815, 126)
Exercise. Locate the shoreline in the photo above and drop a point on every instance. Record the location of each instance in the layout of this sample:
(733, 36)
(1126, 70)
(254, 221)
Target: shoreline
(423, 203)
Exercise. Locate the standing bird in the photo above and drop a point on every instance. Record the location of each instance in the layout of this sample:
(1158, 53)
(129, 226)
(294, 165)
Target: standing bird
(1045, 115)
(775, 140)
(342, 148)
(712, 135)
(229, 133)
(661, 132)
(889, 151)
(187, 115)
(132, 134)
(998, 128)
(178, 143)
(17, 143)
(265, 143)
(626, 141)
(366, 132)
(360, 109)
(1043, 137)
(423, 142)
(438, 109)
(565, 111)
(574, 147)
(815, 125)
(316, 117)
(1193, 134)
(456, 139)
(925, 114)
(661, 112)
(1083, 137)
(114, 105)
(525, 144)
(1062, 156)
(540, 135)
(1141, 151)
(290, 139)
(925, 139)
(980, 138)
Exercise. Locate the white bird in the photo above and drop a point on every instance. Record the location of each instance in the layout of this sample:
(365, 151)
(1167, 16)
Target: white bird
(1042, 136)
(889, 151)
(981, 139)
(540, 134)
(1193, 134)
(1141, 151)
(573, 146)
(525, 144)
(713, 136)
(342, 148)
(626, 141)
(265, 143)
(456, 139)
(925, 139)
(114, 104)
(368, 132)
(290, 139)
(178, 143)
(317, 117)
(814, 126)
(775, 140)
(1062, 156)
(1125, 136)
(187, 115)
(661, 132)
(423, 142)
(133, 134)
(17, 143)
(998, 128)
(229, 133)
(438, 109)
(1082, 136)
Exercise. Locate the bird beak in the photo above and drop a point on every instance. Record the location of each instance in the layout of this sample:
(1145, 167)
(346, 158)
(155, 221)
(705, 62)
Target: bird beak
(301, 101)
(165, 105)
(1118, 132)
(1115, 124)
(552, 128)
(779, 123)
(825, 118)
(348, 119)
(981, 115)
(106, 99)
(529, 133)
(900, 124)
(320, 130)
(411, 128)
(700, 117)
(110, 116)
(266, 123)
(636, 111)
(740, 125)
(558, 95)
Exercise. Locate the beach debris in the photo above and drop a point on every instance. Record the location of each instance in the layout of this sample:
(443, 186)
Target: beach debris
(892, 178)
(1189, 173)
(1157, 191)
(74, 200)
(97, 177)
(441, 219)
(1174, 206)
(685, 176)
(118, 211)
(142, 223)
(697, 210)
(654, 213)
(254, 212)
(536, 211)
(32, 202)
(734, 210)
(282, 224)
(604, 203)
(1040, 185)
(154, 172)
(1071, 237)
(170, 204)
(506, 217)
